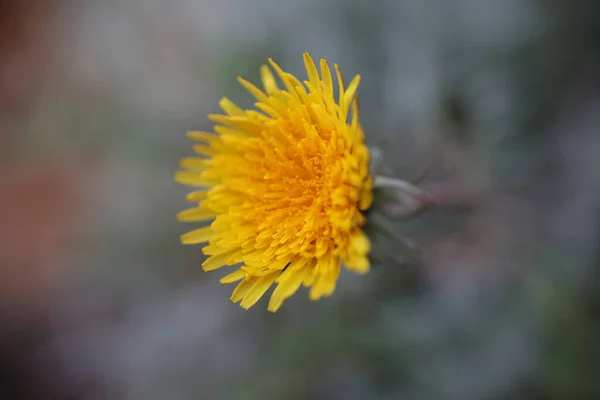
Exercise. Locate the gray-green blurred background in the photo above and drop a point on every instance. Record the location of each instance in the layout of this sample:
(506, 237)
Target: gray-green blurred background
(498, 299)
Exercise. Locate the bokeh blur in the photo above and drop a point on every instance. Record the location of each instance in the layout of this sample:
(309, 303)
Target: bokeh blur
(498, 298)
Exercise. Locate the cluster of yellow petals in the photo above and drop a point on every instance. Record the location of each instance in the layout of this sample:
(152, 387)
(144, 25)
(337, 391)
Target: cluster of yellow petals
(284, 187)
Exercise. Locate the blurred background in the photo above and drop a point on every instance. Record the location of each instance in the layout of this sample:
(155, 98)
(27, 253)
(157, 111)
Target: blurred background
(498, 297)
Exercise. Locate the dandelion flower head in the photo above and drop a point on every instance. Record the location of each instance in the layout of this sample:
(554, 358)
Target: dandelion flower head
(283, 186)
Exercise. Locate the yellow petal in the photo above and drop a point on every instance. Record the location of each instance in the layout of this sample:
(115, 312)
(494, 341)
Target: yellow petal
(225, 131)
(256, 271)
(366, 200)
(329, 270)
(213, 250)
(242, 288)
(323, 286)
(196, 195)
(204, 150)
(290, 284)
(270, 111)
(196, 214)
(298, 87)
(202, 136)
(275, 302)
(322, 247)
(196, 236)
(233, 277)
(309, 278)
(280, 263)
(241, 124)
(358, 264)
(311, 69)
(340, 80)
(355, 113)
(194, 163)
(283, 76)
(296, 265)
(258, 290)
(256, 92)
(193, 179)
(359, 243)
(268, 80)
(318, 288)
(326, 73)
(350, 92)
(217, 261)
(339, 196)
(229, 107)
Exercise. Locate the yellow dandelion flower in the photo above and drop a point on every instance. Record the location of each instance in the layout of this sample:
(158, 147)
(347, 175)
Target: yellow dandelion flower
(284, 187)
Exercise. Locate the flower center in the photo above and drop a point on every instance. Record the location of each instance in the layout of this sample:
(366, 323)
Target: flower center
(296, 187)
